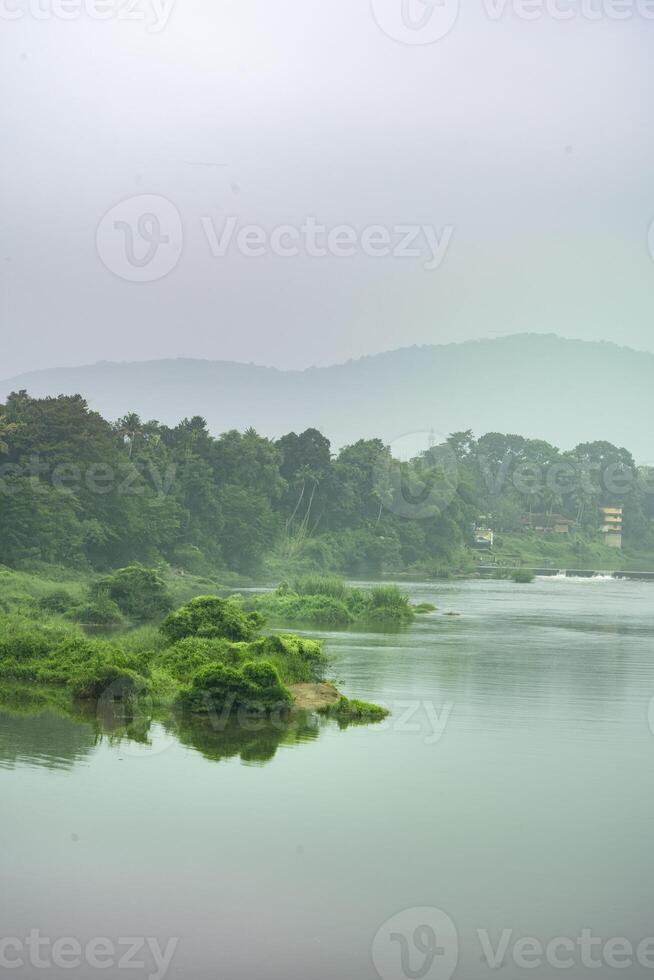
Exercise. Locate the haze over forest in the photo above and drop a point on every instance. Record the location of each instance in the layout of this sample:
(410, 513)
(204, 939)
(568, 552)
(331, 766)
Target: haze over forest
(538, 385)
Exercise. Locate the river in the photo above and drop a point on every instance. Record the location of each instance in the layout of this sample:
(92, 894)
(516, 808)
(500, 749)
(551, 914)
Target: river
(510, 794)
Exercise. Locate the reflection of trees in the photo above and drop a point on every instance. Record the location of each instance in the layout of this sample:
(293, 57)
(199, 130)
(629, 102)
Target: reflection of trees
(44, 727)
(34, 730)
(255, 741)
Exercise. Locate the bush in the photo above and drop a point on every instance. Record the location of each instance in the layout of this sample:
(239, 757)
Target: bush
(330, 603)
(213, 618)
(320, 610)
(108, 681)
(297, 659)
(254, 686)
(389, 606)
(87, 666)
(523, 576)
(23, 642)
(327, 585)
(352, 710)
(184, 658)
(57, 601)
(140, 593)
(100, 610)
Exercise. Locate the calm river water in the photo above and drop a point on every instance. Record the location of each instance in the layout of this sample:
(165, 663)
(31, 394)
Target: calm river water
(510, 795)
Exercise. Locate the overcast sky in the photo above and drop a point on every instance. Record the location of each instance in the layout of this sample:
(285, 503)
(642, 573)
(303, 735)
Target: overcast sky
(524, 147)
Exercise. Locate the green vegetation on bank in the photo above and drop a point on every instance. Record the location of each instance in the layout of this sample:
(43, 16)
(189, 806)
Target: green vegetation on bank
(557, 551)
(349, 710)
(207, 656)
(92, 496)
(165, 662)
(330, 603)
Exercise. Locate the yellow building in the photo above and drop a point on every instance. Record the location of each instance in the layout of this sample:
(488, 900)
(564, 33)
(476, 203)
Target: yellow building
(612, 526)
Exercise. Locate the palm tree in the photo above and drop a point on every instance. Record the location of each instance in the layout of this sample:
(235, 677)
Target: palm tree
(6, 429)
(129, 427)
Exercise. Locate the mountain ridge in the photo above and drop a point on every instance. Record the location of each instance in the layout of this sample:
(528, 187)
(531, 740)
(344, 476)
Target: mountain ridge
(539, 385)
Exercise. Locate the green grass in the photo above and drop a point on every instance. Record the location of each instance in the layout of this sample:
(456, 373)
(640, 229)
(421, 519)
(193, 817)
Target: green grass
(53, 589)
(322, 585)
(565, 551)
(351, 710)
(55, 652)
(330, 603)
(209, 647)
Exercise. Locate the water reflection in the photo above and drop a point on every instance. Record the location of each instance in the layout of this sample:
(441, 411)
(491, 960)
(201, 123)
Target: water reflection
(258, 745)
(40, 727)
(36, 732)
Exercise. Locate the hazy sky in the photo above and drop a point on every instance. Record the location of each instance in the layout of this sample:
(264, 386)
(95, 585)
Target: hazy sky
(523, 146)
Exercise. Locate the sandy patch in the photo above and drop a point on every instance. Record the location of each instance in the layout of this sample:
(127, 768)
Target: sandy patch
(313, 697)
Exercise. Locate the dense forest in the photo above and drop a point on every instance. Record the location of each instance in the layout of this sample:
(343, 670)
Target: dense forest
(84, 492)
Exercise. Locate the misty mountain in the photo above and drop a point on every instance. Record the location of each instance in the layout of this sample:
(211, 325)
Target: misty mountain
(565, 391)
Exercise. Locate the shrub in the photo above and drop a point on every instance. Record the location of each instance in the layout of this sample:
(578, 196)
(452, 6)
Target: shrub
(352, 710)
(388, 596)
(139, 592)
(106, 680)
(523, 576)
(211, 617)
(57, 601)
(100, 610)
(327, 585)
(22, 640)
(330, 603)
(320, 610)
(87, 666)
(184, 658)
(254, 686)
(297, 659)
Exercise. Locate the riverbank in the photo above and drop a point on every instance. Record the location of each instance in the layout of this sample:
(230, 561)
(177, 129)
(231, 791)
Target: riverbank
(209, 655)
